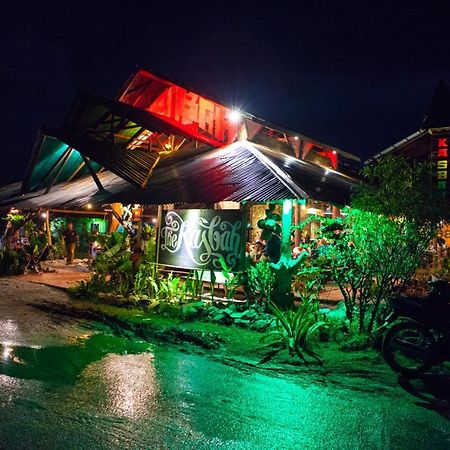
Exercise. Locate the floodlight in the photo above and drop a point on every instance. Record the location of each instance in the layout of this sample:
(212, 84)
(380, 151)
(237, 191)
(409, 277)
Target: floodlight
(235, 115)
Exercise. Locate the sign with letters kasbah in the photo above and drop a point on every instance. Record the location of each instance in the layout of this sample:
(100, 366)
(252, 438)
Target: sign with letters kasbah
(196, 238)
(440, 153)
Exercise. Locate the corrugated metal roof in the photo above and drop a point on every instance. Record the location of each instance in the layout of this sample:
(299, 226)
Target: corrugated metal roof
(319, 183)
(240, 171)
(133, 165)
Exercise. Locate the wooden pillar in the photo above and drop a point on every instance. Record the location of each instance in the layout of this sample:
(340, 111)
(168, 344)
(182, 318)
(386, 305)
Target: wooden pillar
(158, 231)
(113, 222)
(47, 226)
(244, 207)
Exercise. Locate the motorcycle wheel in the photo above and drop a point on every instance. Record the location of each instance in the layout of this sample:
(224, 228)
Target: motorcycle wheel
(408, 348)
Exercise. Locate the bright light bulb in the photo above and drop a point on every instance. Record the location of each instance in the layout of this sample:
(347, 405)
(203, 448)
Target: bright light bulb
(44, 215)
(89, 206)
(235, 116)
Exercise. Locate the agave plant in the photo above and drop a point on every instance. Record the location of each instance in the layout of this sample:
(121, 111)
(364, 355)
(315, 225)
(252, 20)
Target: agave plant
(293, 332)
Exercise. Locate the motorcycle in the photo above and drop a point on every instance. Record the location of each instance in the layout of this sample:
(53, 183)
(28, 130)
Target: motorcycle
(420, 338)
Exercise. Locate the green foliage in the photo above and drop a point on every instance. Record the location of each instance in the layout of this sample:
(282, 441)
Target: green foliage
(261, 280)
(232, 280)
(213, 283)
(149, 238)
(17, 220)
(57, 250)
(144, 280)
(192, 288)
(377, 247)
(16, 256)
(294, 332)
(443, 272)
(396, 188)
(169, 288)
(197, 286)
(310, 280)
(114, 263)
(91, 288)
(11, 262)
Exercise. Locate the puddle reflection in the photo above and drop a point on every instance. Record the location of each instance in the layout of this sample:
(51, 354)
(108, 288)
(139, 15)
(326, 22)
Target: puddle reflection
(62, 364)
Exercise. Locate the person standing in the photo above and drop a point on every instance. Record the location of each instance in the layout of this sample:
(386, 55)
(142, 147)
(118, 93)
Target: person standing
(70, 240)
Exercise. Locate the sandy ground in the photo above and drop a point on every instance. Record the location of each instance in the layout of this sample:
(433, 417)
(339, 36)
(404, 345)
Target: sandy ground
(22, 324)
(58, 274)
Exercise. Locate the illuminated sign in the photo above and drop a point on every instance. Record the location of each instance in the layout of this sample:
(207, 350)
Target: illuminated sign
(194, 115)
(441, 154)
(196, 238)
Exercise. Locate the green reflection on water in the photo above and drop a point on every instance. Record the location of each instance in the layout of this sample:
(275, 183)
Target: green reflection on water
(63, 363)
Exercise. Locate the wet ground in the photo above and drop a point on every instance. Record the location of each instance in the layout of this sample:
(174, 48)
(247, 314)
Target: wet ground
(66, 383)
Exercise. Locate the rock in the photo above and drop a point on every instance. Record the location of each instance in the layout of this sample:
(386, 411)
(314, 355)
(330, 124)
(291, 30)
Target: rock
(236, 315)
(250, 314)
(242, 323)
(260, 325)
(199, 338)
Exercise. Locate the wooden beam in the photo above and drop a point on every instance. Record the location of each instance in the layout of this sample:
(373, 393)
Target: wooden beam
(55, 165)
(36, 152)
(132, 138)
(63, 163)
(145, 182)
(92, 172)
(76, 172)
(78, 211)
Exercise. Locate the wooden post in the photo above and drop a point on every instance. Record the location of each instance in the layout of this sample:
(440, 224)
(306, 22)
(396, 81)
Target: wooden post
(244, 234)
(92, 172)
(158, 231)
(47, 226)
(113, 222)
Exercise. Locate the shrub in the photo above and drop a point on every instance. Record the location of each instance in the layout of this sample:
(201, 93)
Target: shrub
(261, 281)
(294, 332)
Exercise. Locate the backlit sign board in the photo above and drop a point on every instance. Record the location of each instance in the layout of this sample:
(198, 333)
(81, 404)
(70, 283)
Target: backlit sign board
(196, 238)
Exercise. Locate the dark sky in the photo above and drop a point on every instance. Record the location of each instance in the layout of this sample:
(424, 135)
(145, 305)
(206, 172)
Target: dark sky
(354, 74)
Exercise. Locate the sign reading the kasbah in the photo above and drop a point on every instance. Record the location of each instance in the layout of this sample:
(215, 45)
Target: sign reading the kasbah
(440, 150)
(196, 238)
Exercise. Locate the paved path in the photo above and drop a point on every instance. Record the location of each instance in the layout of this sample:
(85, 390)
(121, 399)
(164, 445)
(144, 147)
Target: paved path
(60, 275)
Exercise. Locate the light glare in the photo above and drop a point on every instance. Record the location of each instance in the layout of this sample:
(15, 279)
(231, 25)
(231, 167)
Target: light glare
(235, 116)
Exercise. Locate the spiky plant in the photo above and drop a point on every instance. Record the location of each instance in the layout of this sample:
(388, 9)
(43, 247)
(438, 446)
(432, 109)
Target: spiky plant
(294, 331)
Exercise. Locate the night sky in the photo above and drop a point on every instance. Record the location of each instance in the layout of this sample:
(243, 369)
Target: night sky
(357, 75)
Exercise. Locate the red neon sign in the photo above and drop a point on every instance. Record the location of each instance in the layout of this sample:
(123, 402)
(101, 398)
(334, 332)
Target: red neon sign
(442, 164)
(196, 116)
